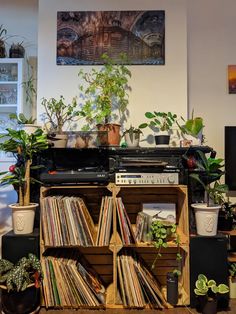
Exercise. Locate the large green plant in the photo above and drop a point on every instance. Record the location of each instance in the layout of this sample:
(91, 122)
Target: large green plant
(25, 272)
(208, 174)
(209, 288)
(161, 120)
(24, 146)
(106, 91)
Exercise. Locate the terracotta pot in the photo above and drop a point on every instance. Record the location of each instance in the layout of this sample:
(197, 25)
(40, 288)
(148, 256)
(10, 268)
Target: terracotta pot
(113, 134)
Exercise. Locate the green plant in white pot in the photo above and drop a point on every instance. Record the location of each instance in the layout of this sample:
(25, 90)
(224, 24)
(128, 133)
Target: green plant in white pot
(207, 290)
(24, 147)
(132, 136)
(192, 129)
(57, 114)
(105, 98)
(162, 122)
(24, 123)
(208, 174)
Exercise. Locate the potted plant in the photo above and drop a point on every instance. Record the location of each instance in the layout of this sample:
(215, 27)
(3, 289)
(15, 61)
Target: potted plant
(232, 280)
(57, 114)
(208, 173)
(20, 285)
(161, 233)
(24, 123)
(226, 216)
(161, 121)
(106, 97)
(132, 136)
(207, 291)
(17, 50)
(3, 32)
(192, 129)
(24, 146)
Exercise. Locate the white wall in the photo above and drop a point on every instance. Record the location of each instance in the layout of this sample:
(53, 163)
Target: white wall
(211, 48)
(153, 87)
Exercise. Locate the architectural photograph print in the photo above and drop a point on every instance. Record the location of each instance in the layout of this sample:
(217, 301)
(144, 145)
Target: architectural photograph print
(232, 79)
(82, 37)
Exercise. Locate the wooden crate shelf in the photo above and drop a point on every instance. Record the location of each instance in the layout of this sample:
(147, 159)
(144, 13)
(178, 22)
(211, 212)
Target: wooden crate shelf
(103, 259)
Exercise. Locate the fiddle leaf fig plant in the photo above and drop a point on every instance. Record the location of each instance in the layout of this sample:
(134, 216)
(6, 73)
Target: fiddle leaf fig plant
(106, 92)
(208, 174)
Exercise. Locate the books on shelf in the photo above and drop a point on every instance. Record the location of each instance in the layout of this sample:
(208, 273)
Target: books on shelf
(66, 222)
(69, 281)
(137, 284)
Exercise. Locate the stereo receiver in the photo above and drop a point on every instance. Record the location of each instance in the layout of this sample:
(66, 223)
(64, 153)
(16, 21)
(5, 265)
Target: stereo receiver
(131, 178)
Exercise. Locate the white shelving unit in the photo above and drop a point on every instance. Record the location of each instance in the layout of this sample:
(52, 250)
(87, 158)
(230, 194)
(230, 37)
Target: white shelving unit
(11, 94)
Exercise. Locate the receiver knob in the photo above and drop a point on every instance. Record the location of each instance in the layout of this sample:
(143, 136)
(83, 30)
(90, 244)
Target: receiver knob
(171, 179)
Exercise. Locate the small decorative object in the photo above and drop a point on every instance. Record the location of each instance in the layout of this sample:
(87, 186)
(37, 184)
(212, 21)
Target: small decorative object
(207, 291)
(17, 50)
(3, 32)
(206, 214)
(57, 115)
(162, 122)
(191, 131)
(232, 281)
(132, 136)
(106, 98)
(23, 146)
(20, 285)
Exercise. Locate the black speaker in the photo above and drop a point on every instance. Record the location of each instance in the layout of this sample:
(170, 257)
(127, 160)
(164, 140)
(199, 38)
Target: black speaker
(208, 256)
(15, 246)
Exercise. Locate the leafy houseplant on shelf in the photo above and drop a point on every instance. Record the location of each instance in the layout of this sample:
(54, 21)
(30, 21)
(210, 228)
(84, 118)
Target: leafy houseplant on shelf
(208, 174)
(192, 129)
(20, 285)
(57, 114)
(24, 147)
(207, 291)
(161, 233)
(3, 32)
(132, 136)
(163, 122)
(105, 98)
(226, 215)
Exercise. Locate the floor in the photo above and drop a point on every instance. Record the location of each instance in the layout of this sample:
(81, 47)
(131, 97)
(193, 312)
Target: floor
(178, 310)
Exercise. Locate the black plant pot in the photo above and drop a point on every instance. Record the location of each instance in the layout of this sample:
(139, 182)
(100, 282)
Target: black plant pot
(224, 223)
(22, 302)
(210, 307)
(162, 140)
(172, 288)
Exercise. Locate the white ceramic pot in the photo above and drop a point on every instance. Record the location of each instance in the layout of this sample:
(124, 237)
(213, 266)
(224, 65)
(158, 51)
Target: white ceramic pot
(195, 140)
(23, 218)
(134, 142)
(30, 128)
(59, 141)
(206, 218)
(232, 287)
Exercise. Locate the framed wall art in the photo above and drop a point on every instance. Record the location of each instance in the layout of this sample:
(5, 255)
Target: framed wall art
(232, 79)
(82, 37)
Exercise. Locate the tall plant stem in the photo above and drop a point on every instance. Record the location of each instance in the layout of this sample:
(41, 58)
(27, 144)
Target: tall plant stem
(27, 183)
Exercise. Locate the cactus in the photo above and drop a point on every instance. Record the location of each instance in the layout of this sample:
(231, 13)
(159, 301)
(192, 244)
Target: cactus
(19, 276)
(209, 288)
